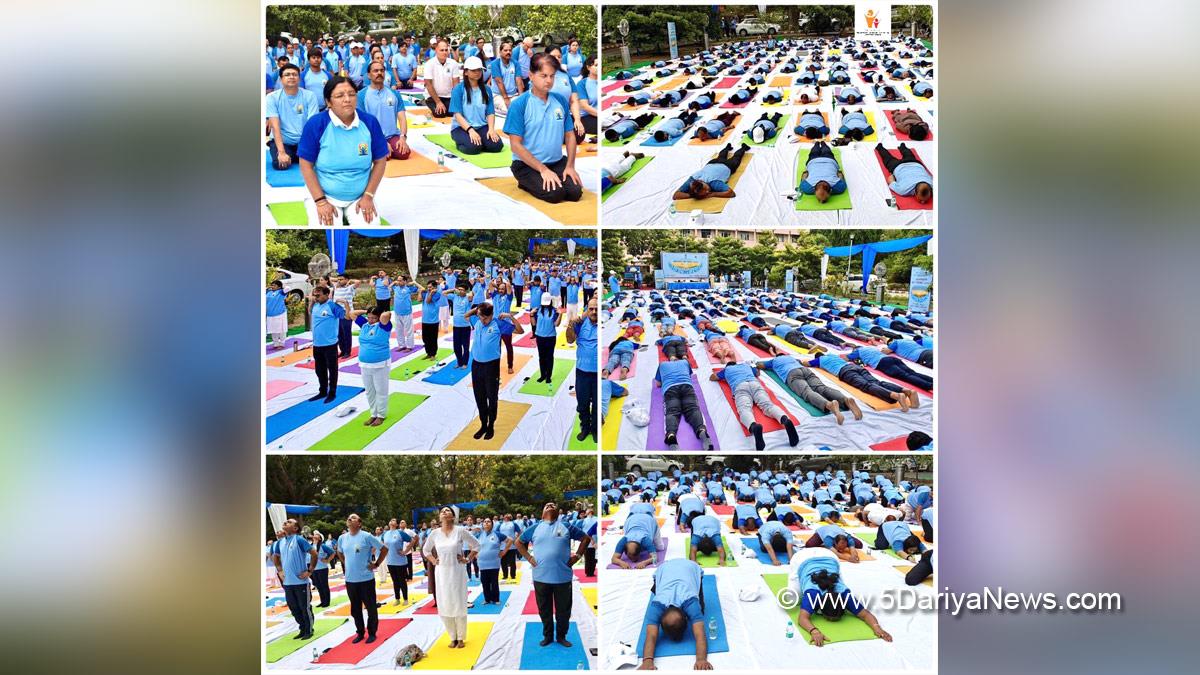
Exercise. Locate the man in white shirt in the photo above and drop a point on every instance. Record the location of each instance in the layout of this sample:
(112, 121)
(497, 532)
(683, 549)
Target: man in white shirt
(442, 74)
(343, 290)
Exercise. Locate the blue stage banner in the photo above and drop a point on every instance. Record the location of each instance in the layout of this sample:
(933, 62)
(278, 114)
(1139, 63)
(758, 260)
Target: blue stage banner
(685, 266)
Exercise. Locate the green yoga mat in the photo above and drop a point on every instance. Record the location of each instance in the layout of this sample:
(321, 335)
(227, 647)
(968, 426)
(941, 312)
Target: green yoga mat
(418, 365)
(846, 629)
(562, 368)
(586, 445)
(628, 139)
(637, 166)
(285, 645)
(484, 160)
(710, 560)
(293, 213)
(812, 410)
(354, 436)
(770, 142)
(809, 202)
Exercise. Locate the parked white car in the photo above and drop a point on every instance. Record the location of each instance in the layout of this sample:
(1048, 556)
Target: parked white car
(643, 463)
(295, 285)
(755, 27)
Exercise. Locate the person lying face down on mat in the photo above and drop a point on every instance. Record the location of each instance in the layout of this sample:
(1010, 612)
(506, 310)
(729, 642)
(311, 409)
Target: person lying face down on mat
(907, 175)
(746, 519)
(640, 538)
(676, 606)
(814, 331)
(675, 126)
(776, 539)
(613, 169)
(717, 344)
(765, 128)
(817, 578)
(757, 340)
(811, 388)
(822, 175)
(715, 128)
(538, 124)
(855, 125)
(624, 127)
(668, 99)
(922, 89)
(620, 357)
(834, 538)
(786, 515)
(706, 538)
(748, 392)
(891, 366)
(811, 125)
(679, 399)
(858, 377)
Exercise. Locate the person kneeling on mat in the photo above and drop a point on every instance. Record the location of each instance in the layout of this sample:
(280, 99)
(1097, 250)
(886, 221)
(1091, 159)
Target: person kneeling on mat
(849, 95)
(776, 539)
(641, 537)
(706, 538)
(474, 112)
(748, 392)
(676, 604)
(538, 124)
(837, 540)
(746, 519)
(679, 400)
(896, 535)
(819, 577)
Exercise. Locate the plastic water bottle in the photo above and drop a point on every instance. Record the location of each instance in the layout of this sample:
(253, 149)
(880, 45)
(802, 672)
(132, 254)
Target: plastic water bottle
(673, 208)
(580, 665)
(712, 628)
(791, 630)
(315, 655)
(441, 159)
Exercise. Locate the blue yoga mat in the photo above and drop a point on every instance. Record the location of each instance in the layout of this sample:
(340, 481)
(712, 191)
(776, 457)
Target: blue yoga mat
(553, 656)
(481, 608)
(449, 374)
(650, 142)
(754, 544)
(687, 646)
(289, 178)
(290, 419)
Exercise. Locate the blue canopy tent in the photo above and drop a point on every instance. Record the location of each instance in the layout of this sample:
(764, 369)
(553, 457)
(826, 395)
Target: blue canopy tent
(472, 505)
(339, 241)
(586, 242)
(302, 510)
(869, 251)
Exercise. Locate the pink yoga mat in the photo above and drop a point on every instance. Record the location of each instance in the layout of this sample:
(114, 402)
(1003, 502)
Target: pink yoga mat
(610, 87)
(632, 365)
(584, 578)
(726, 82)
(277, 387)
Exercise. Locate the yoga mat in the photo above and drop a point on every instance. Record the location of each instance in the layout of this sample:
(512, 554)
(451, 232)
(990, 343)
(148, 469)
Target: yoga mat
(780, 81)
(562, 370)
(353, 435)
(610, 430)
(484, 160)
(519, 361)
(722, 509)
(808, 407)
(312, 365)
(670, 83)
(767, 423)
(848, 628)
(418, 365)
(348, 652)
(479, 607)
(592, 595)
(711, 560)
(715, 204)
(638, 165)
(717, 141)
(416, 165)
(610, 87)
(800, 138)
(903, 203)
(754, 544)
(588, 444)
(875, 402)
(553, 656)
(293, 213)
(805, 202)
(686, 435)
(290, 343)
(874, 136)
(784, 344)
(414, 599)
(582, 212)
(277, 387)
(656, 558)
(289, 419)
(897, 444)
(628, 139)
(288, 359)
(582, 576)
(449, 374)
(902, 136)
(585, 150)
(651, 143)
(905, 569)
(770, 142)
(508, 415)
(731, 104)
(690, 359)
(726, 82)
(285, 645)
(632, 365)
(289, 177)
(687, 646)
(441, 657)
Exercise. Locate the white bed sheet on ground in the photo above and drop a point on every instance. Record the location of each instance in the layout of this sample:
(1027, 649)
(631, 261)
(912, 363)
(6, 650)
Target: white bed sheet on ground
(816, 433)
(544, 426)
(756, 630)
(763, 189)
(502, 651)
(446, 199)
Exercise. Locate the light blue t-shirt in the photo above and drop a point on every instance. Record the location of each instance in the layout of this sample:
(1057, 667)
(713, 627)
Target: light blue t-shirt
(716, 175)
(908, 349)
(359, 550)
(276, 303)
(896, 531)
(459, 306)
(404, 65)
(855, 120)
(315, 82)
(293, 112)
(736, 374)
(325, 317)
(341, 156)
(586, 90)
(770, 529)
(541, 125)
(429, 308)
(385, 105)
(848, 91)
(402, 298)
(373, 345)
(293, 553)
(868, 355)
(744, 513)
(810, 593)
(922, 497)
(490, 545)
(485, 340)
(504, 74)
(677, 583)
(552, 550)
(907, 176)
(830, 363)
(471, 107)
(672, 373)
(782, 365)
(587, 336)
(573, 63)
(706, 527)
(544, 322)
(395, 540)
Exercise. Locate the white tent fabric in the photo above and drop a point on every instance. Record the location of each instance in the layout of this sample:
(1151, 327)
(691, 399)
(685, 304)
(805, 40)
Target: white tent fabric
(278, 515)
(412, 251)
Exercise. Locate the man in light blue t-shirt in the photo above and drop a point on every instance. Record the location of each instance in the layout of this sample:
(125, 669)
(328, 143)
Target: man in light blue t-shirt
(288, 108)
(676, 606)
(712, 180)
(538, 125)
(361, 553)
(551, 559)
(295, 559)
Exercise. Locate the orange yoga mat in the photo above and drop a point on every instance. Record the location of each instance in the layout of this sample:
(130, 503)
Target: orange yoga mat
(582, 212)
(416, 165)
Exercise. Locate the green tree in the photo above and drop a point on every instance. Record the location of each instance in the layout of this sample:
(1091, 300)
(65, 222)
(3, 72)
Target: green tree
(726, 255)
(313, 21)
(917, 18)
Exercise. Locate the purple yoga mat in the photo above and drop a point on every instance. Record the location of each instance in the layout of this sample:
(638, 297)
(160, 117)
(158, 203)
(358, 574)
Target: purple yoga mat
(293, 343)
(397, 354)
(686, 435)
(659, 555)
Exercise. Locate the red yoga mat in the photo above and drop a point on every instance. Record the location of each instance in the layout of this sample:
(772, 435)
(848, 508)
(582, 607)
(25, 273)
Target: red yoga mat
(900, 443)
(722, 509)
(756, 351)
(530, 604)
(583, 578)
(726, 82)
(904, 203)
(312, 365)
(899, 134)
(767, 423)
(612, 87)
(347, 652)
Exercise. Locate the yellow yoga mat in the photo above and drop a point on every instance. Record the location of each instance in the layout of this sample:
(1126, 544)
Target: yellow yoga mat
(721, 140)
(715, 204)
(612, 425)
(905, 569)
(784, 344)
(417, 121)
(414, 598)
(780, 81)
(591, 594)
(585, 150)
(416, 165)
(672, 83)
(519, 361)
(582, 212)
(729, 325)
(441, 657)
(870, 120)
(561, 342)
(508, 415)
(298, 356)
(516, 580)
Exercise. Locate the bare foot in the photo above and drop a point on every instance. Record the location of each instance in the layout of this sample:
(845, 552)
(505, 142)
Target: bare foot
(837, 413)
(901, 399)
(853, 406)
(912, 398)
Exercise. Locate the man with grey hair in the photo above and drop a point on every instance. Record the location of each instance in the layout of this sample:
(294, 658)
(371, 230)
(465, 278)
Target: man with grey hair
(295, 560)
(522, 55)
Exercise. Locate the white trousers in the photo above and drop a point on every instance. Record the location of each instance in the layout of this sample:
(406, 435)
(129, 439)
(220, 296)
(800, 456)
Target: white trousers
(403, 325)
(340, 209)
(456, 627)
(376, 382)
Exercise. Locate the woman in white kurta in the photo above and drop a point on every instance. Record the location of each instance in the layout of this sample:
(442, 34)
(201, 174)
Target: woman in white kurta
(445, 547)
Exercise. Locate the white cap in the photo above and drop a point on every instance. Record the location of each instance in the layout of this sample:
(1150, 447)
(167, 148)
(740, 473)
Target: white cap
(433, 40)
(472, 63)
(295, 41)
(546, 299)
